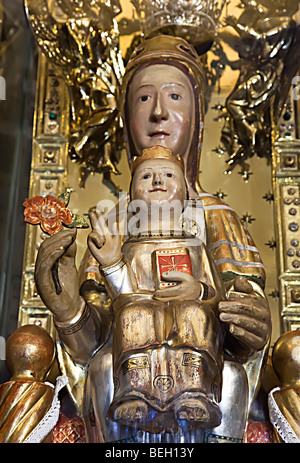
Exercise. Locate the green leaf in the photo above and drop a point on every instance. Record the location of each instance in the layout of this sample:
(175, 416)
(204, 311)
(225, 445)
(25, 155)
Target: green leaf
(78, 222)
(65, 197)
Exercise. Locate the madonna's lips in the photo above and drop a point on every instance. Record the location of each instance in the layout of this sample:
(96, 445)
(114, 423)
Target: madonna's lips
(159, 133)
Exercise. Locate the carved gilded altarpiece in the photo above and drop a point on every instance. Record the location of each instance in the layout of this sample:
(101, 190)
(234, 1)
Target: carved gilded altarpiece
(247, 187)
(250, 155)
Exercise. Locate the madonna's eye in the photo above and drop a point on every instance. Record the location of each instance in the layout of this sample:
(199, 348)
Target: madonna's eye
(175, 96)
(144, 98)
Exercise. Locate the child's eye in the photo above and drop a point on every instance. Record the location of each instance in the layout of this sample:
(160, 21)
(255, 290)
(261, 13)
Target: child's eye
(146, 176)
(168, 174)
(175, 96)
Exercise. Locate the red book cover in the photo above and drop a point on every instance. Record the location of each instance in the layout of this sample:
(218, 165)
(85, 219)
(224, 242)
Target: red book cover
(170, 260)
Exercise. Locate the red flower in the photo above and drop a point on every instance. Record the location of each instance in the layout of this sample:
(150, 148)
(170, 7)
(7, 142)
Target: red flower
(49, 212)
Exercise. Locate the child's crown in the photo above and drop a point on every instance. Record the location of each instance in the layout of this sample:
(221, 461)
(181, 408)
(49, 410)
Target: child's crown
(158, 152)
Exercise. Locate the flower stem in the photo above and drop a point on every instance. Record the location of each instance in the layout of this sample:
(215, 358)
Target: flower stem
(54, 272)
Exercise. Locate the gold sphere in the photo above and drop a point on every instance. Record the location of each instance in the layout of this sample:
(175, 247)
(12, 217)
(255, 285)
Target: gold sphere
(29, 353)
(286, 359)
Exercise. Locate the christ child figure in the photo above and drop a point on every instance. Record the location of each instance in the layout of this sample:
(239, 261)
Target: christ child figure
(165, 290)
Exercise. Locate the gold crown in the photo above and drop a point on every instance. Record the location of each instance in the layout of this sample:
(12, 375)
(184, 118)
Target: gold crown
(157, 152)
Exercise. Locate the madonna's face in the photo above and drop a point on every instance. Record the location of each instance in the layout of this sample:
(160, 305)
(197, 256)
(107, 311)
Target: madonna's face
(161, 109)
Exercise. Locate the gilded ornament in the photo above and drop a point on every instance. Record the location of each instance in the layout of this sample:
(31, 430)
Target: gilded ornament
(271, 244)
(269, 197)
(247, 218)
(135, 363)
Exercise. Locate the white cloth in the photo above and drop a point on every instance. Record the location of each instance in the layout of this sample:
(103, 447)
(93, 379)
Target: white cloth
(279, 422)
(50, 419)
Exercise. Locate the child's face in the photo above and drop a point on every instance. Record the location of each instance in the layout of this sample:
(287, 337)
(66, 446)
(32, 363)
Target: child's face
(158, 180)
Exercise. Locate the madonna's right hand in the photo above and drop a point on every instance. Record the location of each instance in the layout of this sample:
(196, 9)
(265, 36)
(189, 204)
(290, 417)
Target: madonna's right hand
(56, 276)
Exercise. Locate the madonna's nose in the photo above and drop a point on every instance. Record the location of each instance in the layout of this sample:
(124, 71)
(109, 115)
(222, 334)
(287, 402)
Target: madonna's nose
(159, 110)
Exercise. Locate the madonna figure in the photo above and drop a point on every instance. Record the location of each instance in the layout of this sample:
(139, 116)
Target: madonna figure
(162, 106)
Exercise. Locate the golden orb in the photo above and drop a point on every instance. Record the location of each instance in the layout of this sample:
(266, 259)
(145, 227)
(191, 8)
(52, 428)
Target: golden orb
(286, 359)
(29, 353)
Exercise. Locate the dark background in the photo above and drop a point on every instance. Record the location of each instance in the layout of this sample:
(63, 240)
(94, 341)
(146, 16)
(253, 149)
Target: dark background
(18, 65)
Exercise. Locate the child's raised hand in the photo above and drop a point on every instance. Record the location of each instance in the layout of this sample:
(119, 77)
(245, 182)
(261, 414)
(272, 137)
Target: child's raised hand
(105, 245)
